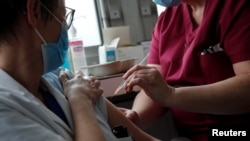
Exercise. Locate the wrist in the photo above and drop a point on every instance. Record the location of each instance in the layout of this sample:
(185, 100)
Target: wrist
(79, 102)
(170, 98)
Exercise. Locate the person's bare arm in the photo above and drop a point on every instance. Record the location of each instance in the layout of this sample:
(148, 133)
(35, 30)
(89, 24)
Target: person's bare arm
(86, 125)
(148, 111)
(115, 118)
(230, 96)
(145, 111)
(81, 95)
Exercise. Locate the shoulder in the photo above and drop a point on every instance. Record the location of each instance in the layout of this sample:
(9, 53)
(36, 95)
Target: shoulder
(172, 15)
(22, 116)
(12, 98)
(233, 23)
(16, 126)
(227, 8)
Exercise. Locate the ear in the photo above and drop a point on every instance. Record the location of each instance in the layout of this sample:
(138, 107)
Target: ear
(34, 12)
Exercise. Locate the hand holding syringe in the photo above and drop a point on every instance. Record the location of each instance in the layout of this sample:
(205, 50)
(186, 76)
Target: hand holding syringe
(124, 82)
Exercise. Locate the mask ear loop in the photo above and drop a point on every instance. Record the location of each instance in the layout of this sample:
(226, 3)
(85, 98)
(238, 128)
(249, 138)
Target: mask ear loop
(64, 24)
(52, 14)
(41, 37)
(45, 43)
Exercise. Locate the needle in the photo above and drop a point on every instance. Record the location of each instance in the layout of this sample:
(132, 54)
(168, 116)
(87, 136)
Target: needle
(123, 82)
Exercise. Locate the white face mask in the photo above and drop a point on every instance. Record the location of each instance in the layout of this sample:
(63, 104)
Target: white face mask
(167, 3)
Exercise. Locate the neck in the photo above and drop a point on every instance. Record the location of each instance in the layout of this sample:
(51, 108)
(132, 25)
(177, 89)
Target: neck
(197, 9)
(20, 66)
(195, 4)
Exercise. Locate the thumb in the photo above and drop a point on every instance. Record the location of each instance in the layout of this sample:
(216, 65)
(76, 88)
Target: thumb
(132, 115)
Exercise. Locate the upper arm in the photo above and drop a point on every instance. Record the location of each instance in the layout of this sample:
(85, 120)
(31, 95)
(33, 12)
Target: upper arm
(115, 118)
(242, 67)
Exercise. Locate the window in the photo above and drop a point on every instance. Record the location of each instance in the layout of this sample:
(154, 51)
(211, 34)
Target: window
(86, 21)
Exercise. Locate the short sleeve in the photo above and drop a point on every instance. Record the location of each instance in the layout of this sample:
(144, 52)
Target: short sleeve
(154, 46)
(101, 105)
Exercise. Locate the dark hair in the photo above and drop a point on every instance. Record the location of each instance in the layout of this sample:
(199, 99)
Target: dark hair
(10, 10)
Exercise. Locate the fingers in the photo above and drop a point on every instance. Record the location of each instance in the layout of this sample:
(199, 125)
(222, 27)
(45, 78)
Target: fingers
(131, 115)
(63, 77)
(133, 70)
(136, 72)
(94, 82)
(79, 74)
(136, 81)
(139, 78)
(98, 93)
(143, 76)
(91, 81)
(92, 78)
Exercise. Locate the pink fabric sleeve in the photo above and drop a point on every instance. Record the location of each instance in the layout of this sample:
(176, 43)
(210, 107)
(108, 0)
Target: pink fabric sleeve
(154, 46)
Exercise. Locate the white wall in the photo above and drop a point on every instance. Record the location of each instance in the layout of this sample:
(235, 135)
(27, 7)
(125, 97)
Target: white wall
(140, 15)
(160, 9)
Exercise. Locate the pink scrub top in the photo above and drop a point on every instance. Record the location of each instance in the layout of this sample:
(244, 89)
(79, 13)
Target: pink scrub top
(192, 55)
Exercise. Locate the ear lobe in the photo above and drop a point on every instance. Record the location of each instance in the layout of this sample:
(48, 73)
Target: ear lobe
(33, 12)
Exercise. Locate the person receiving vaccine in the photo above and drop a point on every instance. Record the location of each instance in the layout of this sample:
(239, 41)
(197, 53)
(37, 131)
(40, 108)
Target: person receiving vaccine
(38, 101)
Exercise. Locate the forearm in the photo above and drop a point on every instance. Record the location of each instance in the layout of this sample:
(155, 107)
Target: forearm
(86, 125)
(230, 96)
(147, 110)
(81, 94)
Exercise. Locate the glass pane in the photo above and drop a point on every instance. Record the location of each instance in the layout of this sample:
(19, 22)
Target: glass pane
(86, 21)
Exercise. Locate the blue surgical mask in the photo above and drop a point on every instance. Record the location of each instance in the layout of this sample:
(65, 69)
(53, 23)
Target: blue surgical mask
(167, 3)
(54, 54)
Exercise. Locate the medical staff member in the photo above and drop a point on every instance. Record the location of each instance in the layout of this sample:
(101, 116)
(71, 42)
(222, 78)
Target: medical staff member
(198, 68)
(33, 43)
